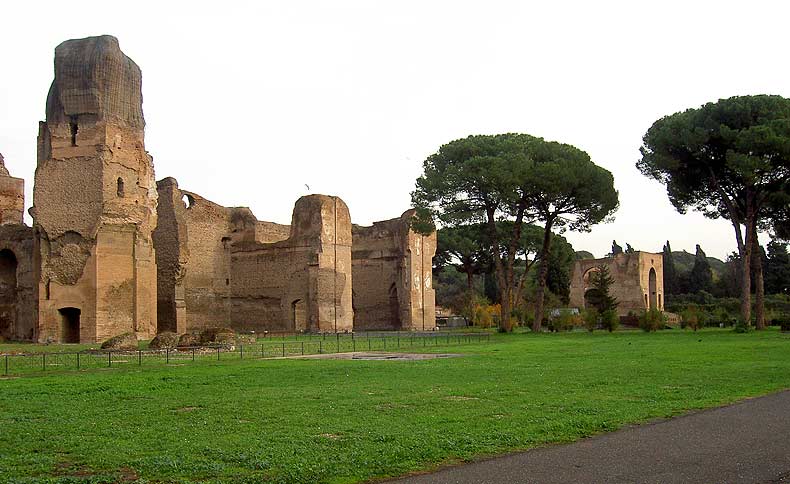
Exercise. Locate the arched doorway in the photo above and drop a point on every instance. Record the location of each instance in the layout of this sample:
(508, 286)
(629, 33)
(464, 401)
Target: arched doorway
(8, 265)
(69, 325)
(652, 288)
(299, 315)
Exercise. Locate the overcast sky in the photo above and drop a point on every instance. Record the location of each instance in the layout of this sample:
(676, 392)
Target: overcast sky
(248, 102)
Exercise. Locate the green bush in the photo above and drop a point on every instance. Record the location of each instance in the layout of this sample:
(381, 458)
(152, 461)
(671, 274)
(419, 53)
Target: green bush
(610, 320)
(590, 318)
(692, 317)
(651, 320)
(566, 321)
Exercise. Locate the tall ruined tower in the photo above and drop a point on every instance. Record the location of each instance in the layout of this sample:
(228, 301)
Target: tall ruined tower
(94, 199)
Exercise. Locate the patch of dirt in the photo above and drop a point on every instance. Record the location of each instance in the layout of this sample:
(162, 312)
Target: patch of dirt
(186, 409)
(330, 436)
(460, 398)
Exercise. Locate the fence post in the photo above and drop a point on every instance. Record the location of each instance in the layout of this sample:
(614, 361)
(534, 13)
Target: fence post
(193, 354)
(353, 343)
(167, 356)
(78, 361)
(384, 338)
(109, 359)
(337, 335)
(241, 352)
(262, 350)
(283, 350)
(43, 361)
(217, 353)
(398, 339)
(302, 348)
(368, 343)
(320, 347)
(6, 364)
(139, 357)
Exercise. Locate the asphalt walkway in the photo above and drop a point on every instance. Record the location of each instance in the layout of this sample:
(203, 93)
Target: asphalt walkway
(748, 442)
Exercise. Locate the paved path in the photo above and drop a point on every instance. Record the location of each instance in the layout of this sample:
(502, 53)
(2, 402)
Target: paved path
(745, 442)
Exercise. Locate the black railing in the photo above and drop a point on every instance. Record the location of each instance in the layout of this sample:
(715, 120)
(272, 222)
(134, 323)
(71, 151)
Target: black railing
(295, 345)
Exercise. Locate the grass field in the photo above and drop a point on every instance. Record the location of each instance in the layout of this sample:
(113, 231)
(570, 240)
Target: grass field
(347, 421)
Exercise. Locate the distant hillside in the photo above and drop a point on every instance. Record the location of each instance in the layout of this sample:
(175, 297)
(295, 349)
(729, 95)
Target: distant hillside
(685, 261)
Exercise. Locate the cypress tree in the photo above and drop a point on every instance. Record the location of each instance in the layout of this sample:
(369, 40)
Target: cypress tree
(701, 277)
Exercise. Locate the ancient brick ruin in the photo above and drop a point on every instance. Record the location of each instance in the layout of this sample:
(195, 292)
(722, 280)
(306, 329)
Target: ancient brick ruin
(113, 252)
(390, 258)
(638, 281)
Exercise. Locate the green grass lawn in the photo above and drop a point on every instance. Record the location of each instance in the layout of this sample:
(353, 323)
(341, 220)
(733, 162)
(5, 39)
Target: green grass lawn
(348, 421)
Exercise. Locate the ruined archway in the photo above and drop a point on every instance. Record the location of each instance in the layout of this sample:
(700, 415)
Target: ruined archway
(8, 265)
(69, 325)
(652, 289)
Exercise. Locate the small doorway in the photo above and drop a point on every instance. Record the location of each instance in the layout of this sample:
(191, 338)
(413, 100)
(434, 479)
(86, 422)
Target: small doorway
(69, 325)
(299, 315)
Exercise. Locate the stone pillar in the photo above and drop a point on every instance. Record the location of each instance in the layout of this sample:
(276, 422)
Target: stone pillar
(94, 199)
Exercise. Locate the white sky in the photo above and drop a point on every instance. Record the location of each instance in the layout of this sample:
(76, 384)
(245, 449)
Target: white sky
(246, 102)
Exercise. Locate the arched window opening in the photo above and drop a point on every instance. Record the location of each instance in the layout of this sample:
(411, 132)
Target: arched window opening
(652, 289)
(120, 190)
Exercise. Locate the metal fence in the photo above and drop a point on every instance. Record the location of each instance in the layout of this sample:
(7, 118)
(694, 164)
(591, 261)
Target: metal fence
(284, 346)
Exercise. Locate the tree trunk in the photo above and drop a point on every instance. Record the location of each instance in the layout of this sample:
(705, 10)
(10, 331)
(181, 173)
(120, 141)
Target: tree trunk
(543, 272)
(759, 288)
(746, 264)
(469, 282)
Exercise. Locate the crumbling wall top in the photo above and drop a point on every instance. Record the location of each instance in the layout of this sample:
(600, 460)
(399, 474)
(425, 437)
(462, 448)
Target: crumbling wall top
(93, 77)
(3, 169)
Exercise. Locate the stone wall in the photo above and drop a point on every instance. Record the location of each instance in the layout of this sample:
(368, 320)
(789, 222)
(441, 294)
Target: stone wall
(17, 283)
(638, 276)
(94, 199)
(302, 283)
(193, 242)
(234, 270)
(392, 276)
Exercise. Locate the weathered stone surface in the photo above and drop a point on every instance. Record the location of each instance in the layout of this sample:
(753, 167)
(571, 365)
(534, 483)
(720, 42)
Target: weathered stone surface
(93, 77)
(94, 199)
(164, 340)
(124, 341)
(638, 276)
(392, 272)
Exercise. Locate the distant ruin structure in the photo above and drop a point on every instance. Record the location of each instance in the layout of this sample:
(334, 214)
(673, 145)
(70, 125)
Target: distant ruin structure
(222, 265)
(390, 258)
(111, 251)
(638, 281)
